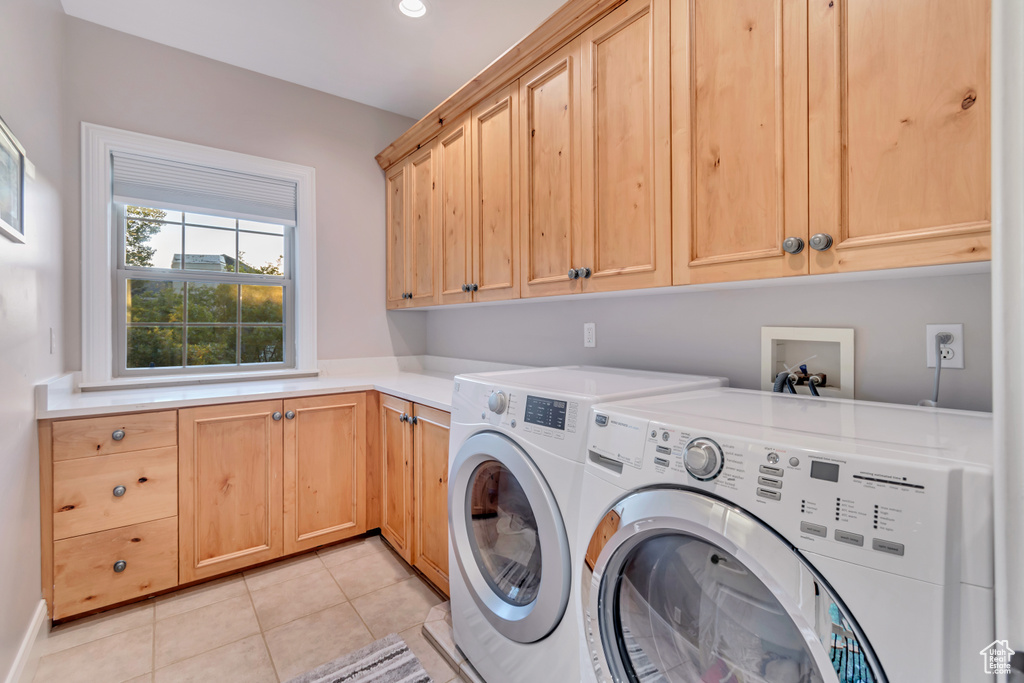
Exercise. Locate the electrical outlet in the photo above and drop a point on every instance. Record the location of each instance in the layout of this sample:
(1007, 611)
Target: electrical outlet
(589, 335)
(953, 352)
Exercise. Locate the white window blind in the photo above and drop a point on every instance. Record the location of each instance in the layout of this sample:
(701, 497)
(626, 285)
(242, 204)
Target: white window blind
(159, 182)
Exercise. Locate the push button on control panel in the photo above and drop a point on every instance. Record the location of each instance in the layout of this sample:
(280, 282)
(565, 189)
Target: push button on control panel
(849, 537)
(664, 450)
(814, 529)
(771, 483)
(601, 420)
(887, 546)
(774, 471)
(768, 493)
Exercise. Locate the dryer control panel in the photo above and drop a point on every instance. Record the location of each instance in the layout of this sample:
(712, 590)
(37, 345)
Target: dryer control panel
(872, 510)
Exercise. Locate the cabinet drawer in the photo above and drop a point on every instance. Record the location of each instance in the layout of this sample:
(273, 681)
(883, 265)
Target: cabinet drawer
(84, 496)
(117, 434)
(83, 567)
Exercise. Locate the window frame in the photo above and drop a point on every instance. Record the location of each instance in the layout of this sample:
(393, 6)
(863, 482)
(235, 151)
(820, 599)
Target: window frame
(104, 274)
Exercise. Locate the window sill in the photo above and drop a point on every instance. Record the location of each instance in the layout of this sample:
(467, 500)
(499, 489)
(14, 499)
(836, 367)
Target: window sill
(194, 380)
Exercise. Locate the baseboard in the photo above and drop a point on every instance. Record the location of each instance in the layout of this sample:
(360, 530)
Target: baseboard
(28, 654)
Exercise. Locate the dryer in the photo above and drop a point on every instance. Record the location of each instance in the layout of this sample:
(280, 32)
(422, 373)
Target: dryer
(515, 472)
(740, 536)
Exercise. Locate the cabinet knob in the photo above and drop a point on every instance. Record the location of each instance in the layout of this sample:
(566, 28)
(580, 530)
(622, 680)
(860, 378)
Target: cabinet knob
(117, 435)
(119, 491)
(120, 566)
(793, 245)
(573, 274)
(465, 288)
(276, 416)
(403, 417)
(583, 272)
(474, 286)
(414, 419)
(821, 241)
(290, 415)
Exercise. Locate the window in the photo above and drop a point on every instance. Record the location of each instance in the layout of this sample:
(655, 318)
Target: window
(201, 291)
(194, 261)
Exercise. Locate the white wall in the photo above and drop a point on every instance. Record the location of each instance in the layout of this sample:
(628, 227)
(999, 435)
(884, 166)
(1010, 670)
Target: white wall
(114, 79)
(719, 332)
(31, 277)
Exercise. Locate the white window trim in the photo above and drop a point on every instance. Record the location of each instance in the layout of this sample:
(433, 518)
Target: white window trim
(98, 239)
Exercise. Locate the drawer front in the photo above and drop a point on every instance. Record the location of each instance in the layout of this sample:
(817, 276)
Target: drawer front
(85, 491)
(117, 434)
(83, 567)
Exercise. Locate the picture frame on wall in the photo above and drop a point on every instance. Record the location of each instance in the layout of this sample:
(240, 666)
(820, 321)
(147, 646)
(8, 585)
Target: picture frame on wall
(12, 185)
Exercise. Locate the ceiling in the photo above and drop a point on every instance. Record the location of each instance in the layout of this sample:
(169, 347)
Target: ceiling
(363, 50)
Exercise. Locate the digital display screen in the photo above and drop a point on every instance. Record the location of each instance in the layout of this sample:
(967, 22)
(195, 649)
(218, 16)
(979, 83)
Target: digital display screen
(545, 412)
(826, 471)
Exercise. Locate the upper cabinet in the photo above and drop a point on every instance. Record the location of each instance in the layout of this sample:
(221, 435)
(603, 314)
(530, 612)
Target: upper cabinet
(900, 107)
(647, 143)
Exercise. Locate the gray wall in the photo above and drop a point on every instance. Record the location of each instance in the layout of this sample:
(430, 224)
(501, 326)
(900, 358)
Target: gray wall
(113, 79)
(719, 332)
(30, 298)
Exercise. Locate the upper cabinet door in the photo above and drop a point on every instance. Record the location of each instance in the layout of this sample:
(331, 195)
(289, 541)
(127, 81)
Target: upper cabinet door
(899, 104)
(396, 236)
(455, 244)
(421, 277)
(324, 470)
(229, 487)
(495, 173)
(739, 138)
(627, 232)
(549, 99)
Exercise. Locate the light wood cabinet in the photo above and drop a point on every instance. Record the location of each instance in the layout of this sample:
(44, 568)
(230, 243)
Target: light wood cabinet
(627, 222)
(411, 269)
(900, 143)
(739, 139)
(454, 231)
(324, 470)
(430, 494)
(396, 471)
(229, 470)
(494, 172)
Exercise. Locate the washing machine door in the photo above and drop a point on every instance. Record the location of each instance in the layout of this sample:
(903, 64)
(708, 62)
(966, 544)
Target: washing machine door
(689, 588)
(508, 536)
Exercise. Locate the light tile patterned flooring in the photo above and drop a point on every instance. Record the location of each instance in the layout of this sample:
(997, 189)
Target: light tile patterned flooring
(268, 624)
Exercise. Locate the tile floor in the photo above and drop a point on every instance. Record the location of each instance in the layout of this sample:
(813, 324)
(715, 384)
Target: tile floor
(267, 624)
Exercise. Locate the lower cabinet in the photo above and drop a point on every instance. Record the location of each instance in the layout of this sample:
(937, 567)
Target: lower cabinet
(414, 450)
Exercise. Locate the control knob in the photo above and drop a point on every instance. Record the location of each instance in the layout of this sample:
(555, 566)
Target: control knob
(497, 402)
(703, 459)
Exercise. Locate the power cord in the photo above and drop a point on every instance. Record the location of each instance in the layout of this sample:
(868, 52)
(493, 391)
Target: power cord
(940, 339)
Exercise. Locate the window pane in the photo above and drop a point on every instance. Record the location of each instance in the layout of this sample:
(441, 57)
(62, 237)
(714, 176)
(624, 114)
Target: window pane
(209, 249)
(154, 347)
(209, 303)
(211, 345)
(263, 344)
(262, 304)
(154, 301)
(212, 221)
(149, 242)
(261, 227)
(260, 253)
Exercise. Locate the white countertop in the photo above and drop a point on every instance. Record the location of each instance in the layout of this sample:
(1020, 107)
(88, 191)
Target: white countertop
(419, 379)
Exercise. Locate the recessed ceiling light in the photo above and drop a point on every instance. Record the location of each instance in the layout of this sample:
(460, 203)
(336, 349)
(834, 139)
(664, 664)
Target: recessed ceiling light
(412, 8)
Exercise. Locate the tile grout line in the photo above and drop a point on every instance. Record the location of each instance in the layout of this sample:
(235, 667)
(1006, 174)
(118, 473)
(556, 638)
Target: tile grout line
(263, 634)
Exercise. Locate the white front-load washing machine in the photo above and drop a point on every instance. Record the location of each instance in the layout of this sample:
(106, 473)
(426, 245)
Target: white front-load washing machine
(739, 536)
(515, 471)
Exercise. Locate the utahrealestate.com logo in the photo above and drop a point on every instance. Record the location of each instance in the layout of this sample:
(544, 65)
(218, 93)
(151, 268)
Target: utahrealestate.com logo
(997, 657)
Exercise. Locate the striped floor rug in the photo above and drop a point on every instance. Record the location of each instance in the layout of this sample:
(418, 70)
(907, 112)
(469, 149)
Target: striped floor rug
(388, 660)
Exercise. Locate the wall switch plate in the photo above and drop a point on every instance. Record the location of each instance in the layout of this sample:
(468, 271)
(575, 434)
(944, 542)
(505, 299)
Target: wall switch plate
(589, 335)
(952, 353)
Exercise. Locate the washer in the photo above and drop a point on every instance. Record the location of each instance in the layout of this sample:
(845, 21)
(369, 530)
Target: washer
(736, 536)
(515, 472)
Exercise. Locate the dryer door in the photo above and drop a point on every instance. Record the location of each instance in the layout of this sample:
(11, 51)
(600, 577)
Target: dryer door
(689, 588)
(508, 537)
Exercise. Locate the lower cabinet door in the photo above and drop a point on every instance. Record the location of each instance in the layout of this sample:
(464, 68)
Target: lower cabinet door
(229, 490)
(396, 474)
(324, 470)
(430, 468)
(108, 567)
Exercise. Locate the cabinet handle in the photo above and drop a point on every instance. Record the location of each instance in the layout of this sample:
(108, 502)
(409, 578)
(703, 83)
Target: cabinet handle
(474, 286)
(276, 416)
(120, 566)
(117, 435)
(290, 415)
(583, 272)
(793, 245)
(465, 288)
(573, 274)
(414, 420)
(403, 418)
(821, 241)
(119, 491)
